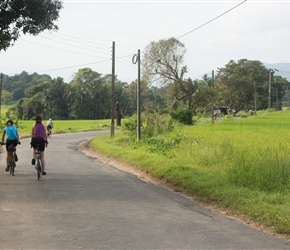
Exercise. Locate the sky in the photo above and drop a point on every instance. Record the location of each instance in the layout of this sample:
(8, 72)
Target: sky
(213, 33)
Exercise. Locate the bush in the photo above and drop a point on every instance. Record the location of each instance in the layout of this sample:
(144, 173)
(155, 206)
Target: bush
(152, 124)
(183, 116)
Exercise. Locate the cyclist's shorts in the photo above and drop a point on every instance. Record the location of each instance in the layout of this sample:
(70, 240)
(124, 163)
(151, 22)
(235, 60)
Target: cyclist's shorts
(48, 127)
(40, 141)
(11, 142)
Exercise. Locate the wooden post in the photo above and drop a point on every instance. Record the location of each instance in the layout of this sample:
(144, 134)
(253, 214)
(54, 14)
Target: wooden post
(138, 101)
(113, 91)
(213, 100)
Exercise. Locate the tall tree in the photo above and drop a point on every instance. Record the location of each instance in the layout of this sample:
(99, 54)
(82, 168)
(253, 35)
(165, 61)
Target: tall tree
(280, 86)
(204, 93)
(53, 99)
(239, 82)
(163, 62)
(85, 94)
(27, 17)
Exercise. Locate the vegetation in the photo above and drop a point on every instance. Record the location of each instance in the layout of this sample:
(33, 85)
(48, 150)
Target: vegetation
(68, 126)
(241, 165)
(27, 17)
(87, 96)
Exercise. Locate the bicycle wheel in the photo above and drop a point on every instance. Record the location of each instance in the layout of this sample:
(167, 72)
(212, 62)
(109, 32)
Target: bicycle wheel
(12, 168)
(12, 164)
(38, 169)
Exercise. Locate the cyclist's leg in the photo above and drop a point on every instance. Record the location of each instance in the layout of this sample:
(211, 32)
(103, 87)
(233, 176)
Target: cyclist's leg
(7, 162)
(42, 161)
(15, 155)
(42, 147)
(33, 144)
(15, 143)
(8, 143)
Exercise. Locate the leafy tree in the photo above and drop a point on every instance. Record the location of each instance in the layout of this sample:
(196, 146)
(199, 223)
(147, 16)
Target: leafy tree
(163, 62)
(239, 82)
(280, 86)
(27, 17)
(53, 99)
(204, 94)
(6, 97)
(121, 98)
(18, 84)
(131, 92)
(86, 95)
(185, 90)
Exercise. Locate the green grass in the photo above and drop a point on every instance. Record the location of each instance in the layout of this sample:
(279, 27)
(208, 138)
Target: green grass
(241, 165)
(69, 126)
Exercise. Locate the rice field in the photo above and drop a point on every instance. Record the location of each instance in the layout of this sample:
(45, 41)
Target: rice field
(242, 166)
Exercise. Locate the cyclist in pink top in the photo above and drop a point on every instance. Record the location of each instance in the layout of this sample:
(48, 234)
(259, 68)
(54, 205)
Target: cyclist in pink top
(38, 136)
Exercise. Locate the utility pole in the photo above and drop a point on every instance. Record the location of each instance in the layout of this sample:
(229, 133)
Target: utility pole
(136, 59)
(113, 91)
(213, 100)
(138, 101)
(269, 97)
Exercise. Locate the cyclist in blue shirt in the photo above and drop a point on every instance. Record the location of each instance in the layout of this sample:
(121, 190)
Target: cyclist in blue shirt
(12, 138)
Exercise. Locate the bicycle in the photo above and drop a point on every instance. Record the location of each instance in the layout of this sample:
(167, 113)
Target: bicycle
(49, 132)
(12, 157)
(38, 164)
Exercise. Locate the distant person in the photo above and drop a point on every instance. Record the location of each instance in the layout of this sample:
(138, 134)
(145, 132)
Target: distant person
(49, 126)
(38, 136)
(215, 114)
(12, 138)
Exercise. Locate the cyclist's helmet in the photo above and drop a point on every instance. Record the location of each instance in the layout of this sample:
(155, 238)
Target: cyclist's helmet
(9, 122)
(38, 118)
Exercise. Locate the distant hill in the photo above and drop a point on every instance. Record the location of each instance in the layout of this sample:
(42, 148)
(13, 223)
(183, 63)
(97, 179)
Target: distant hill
(284, 69)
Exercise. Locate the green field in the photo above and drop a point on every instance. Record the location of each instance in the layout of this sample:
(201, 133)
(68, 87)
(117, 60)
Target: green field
(242, 166)
(24, 127)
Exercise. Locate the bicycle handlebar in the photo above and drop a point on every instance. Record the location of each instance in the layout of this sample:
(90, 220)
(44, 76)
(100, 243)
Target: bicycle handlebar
(5, 143)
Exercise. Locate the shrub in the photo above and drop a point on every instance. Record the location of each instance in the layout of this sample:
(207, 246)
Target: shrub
(183, 116)
(152, 124)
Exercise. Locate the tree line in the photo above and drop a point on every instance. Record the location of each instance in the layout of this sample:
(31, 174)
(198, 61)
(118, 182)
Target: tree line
(240, 85)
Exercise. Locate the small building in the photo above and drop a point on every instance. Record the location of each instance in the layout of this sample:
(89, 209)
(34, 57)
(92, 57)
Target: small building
(221, 110)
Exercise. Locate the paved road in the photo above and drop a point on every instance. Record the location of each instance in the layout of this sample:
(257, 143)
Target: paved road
(85, 204)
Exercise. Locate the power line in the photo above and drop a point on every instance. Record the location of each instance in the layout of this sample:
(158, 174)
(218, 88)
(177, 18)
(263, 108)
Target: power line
(72, 45)
(81, 65)
(58, 48)
(212, 20)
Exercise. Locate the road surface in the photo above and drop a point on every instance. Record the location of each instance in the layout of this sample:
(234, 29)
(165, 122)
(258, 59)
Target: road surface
(84, 204)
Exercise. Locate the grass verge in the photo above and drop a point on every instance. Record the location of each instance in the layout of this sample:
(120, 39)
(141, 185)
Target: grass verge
(242, 166)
